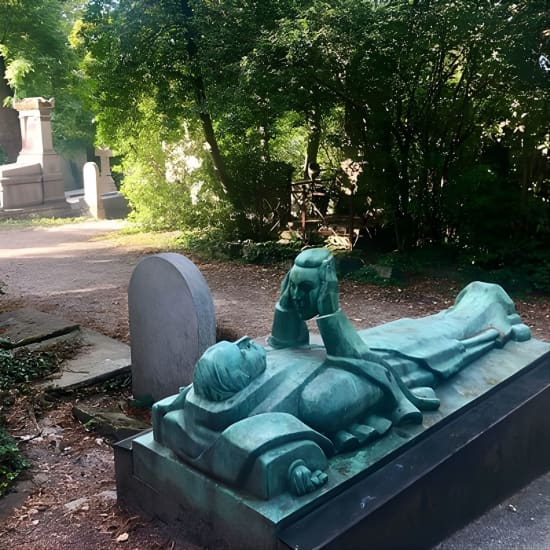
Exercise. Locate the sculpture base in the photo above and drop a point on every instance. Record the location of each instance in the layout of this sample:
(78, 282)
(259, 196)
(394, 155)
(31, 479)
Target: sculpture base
(409, 489)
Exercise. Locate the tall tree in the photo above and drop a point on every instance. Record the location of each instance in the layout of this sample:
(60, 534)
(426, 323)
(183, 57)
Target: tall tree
(35, 57)
(148, 49)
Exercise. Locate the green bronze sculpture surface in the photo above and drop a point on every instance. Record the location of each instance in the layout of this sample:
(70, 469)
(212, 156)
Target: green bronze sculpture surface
(267, 421)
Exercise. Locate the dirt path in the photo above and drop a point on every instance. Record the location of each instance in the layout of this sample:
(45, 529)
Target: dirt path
(72, 271)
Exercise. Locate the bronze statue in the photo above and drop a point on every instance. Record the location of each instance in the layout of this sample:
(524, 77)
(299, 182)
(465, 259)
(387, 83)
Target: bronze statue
(267, 421)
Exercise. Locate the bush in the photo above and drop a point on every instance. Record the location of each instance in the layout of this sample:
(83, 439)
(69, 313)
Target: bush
(12, 462)
(269, 252)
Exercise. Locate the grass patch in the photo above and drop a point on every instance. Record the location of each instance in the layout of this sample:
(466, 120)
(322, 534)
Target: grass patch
(134, 237)
(14, 223)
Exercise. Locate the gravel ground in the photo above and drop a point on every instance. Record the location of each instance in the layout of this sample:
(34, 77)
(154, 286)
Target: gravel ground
(73, 271)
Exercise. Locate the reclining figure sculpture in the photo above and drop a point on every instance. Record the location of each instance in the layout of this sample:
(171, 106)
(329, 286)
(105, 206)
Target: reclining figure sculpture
(267, 421)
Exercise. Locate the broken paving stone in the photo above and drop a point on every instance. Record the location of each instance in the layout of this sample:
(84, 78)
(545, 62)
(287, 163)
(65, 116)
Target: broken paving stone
(109, 422)
(26, 326)
(100, 359)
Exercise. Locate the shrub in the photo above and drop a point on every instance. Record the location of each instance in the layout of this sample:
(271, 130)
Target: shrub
(12, 462)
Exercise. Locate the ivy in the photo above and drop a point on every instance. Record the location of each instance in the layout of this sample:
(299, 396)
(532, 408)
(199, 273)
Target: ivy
(18, 369)
(12, 463)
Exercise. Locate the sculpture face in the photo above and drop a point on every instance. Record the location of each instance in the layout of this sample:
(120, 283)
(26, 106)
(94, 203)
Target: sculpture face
(227, 367)
(304, 285)
(252, 357)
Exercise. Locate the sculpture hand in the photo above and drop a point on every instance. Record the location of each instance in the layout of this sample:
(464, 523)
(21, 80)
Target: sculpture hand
(328, 293)
(285, 300)
(302, 480)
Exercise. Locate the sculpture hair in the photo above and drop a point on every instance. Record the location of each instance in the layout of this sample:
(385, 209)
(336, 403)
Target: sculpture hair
(218, 374)
(314, 258)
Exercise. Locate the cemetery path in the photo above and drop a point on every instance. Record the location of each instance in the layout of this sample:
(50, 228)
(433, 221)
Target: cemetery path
(78, 272)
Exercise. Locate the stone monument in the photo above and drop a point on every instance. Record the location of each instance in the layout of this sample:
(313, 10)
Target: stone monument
(264, 437)
(106, 181)
(35, 178)
(92, 194)
(100, 193)
(172, 322)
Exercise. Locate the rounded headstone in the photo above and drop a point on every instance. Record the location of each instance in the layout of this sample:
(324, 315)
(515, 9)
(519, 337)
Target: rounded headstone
(172, 322)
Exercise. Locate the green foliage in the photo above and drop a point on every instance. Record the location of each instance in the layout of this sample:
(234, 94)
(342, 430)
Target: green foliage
(166, 174)
(33, 45)
(11, 462)
(442, 104)
(19, 368)
(117, 384)
(208, 243)
(16, 72)
(269, 252)
(36, 59)
(369, 274)
(521, 265)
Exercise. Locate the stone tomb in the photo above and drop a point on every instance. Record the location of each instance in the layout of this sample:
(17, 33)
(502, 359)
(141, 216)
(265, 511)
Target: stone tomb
(172, 322)
(36, 177)
(492, 415)
(394, 436)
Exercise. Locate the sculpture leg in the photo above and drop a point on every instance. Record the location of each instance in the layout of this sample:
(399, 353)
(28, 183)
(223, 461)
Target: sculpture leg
(405, 404)
(336, 399)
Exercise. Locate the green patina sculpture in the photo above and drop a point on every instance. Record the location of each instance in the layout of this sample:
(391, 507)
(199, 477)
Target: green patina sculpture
(268, 421)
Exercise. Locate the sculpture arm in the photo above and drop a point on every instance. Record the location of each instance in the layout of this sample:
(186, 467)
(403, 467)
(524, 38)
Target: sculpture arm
(340, 337)
(288, 330)
(164, 406)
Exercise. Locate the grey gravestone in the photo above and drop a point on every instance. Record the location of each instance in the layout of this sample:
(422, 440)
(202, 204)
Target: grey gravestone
(92, 195)
(172, 322)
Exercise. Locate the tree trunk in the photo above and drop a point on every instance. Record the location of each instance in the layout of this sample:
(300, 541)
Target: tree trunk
(202, 103)
(10, 131)
(215, 153)
(313, 139)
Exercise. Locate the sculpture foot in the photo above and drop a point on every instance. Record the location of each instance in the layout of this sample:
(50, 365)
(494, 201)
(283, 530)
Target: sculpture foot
(344, 442)
(302, 480)
(427, 399)
(364, 433)
(406, 413)
(521, 333)
(379, 423)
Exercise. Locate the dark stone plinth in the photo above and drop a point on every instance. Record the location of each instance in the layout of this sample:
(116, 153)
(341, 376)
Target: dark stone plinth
(473, 460)
(407, 490)
(115, 205)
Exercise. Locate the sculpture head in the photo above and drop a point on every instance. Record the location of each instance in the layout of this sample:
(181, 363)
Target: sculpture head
(227, 367)
(306, 280)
